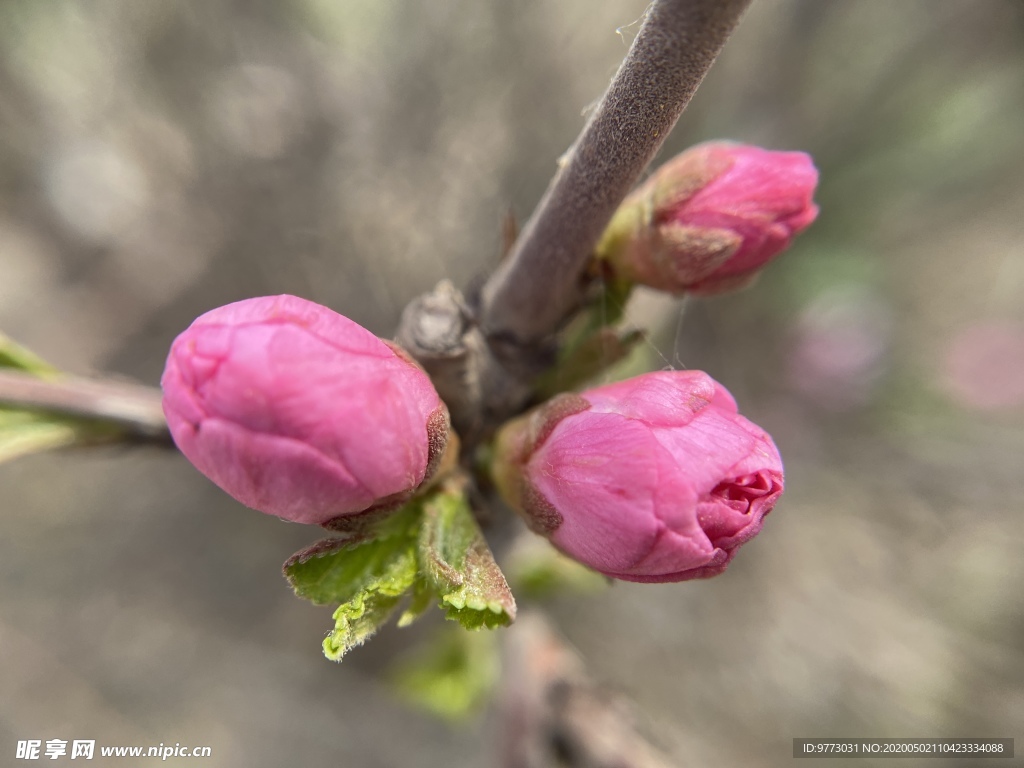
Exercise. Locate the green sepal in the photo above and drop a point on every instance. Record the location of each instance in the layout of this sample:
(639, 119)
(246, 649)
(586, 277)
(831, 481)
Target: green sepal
(460, 567)
(453, 675)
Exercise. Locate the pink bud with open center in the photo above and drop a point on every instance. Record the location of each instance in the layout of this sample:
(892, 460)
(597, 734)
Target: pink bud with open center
(299, 412)
(653, 479)
(709, 219)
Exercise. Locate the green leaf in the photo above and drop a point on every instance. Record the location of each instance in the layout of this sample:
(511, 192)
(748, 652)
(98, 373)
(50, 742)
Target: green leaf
(24, 432)
(453, 676)
(423, 597)
(337, 570)
(459, 565)
(358, 620)
(431, 548)
(368, 573)
(610, 305)
(591, 344)
(13, 355)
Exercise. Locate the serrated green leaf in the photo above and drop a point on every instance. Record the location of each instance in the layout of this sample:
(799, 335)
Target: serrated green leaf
(358, 620)
(13, 355)
(431, 548)
(453, 676)
(337, 570)
(423, 596)
(25, 432)
(459, 565)
(361, 616)
(368, 573)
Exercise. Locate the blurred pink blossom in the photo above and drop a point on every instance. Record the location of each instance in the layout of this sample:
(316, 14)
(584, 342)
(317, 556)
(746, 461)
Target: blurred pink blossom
(839, 349)
(299, 412)
(984, 366)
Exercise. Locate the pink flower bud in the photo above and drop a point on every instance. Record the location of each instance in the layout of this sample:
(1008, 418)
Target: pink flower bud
(709, 219)
(299, 412)
(654, 479)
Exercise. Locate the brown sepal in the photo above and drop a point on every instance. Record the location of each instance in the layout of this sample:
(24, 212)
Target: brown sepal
(540, 516)
(357, 526)
(681, 178)
(545, 418)
(438, 434)
(318, 549)
(685, 254)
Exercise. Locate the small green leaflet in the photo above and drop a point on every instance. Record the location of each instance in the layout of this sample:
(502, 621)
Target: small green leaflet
(337, 570)
(430, 550)
(458, 563)
(368, 573)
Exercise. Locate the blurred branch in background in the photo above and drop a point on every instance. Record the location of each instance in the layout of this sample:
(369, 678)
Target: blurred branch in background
(554, 714)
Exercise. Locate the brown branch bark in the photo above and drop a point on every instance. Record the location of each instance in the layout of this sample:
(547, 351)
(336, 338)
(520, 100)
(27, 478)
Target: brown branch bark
(554, 715)
(485, 355)
(534, 290)
(135, 409)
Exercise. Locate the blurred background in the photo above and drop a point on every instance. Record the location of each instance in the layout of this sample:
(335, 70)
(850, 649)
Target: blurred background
(160, 159)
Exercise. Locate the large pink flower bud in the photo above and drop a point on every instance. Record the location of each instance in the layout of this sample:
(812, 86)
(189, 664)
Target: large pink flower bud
(709, 219)
(657, 478)
(299, 412)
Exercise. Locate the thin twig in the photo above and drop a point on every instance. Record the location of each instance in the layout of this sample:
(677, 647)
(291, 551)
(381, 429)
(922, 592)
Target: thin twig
(133, 408)
(534, 290)
(553, 714)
